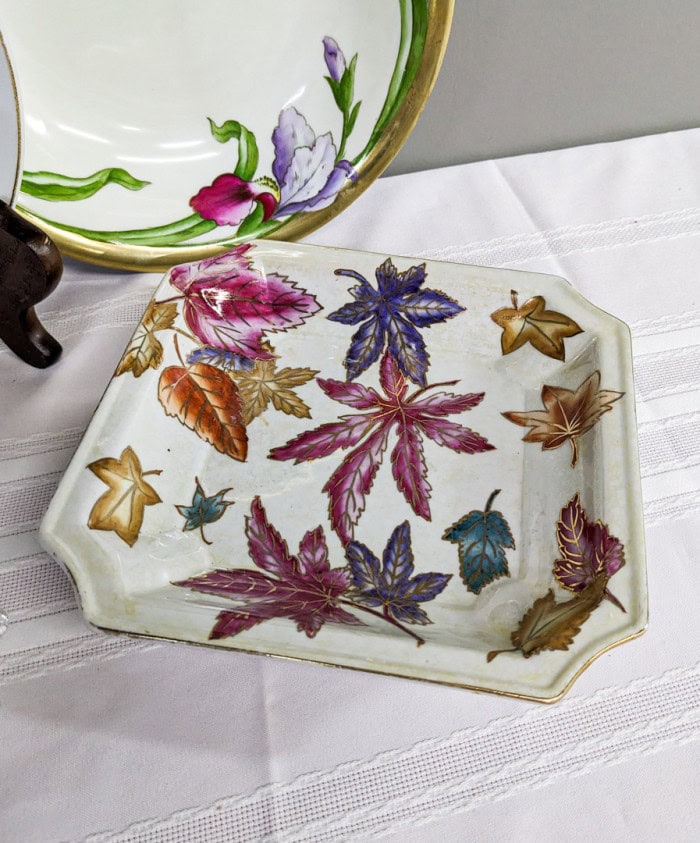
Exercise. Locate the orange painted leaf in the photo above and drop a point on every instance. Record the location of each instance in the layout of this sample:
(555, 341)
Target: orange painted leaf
(121, 507)
(567, 414)
(206, 400)
(544, 329)
(548, 625)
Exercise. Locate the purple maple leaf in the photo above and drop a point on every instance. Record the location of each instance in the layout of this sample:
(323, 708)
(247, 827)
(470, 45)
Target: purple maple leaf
(229, 305)
(412, 417)
(392, 585)
(303, 588)
(588, 550)
(391, 314)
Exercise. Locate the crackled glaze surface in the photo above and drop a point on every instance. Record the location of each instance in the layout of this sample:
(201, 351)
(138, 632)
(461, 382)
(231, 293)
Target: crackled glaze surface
(320, 454)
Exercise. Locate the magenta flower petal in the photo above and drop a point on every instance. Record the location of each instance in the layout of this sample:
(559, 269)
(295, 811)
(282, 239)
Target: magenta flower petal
(229, 200)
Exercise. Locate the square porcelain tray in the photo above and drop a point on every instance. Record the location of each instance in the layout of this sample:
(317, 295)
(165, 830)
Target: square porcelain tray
(425, 470)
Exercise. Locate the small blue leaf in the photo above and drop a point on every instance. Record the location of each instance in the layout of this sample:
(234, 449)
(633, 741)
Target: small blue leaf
(203, 510)
(481, 537)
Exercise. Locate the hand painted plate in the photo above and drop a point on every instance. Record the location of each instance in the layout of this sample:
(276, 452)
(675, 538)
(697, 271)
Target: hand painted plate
(164, 131)
(426, 470)
(10, 145)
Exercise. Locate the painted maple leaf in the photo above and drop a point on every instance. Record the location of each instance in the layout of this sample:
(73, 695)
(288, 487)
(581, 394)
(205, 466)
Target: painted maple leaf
(391, 584)
(481, 537)
(588, 551)
(568, 414)
(122, 506)
(145, 350)
(410, 416)
(229, 305)
(265, 384)
(544, 329)
(203, 510)
(391, 313)
(303, 588)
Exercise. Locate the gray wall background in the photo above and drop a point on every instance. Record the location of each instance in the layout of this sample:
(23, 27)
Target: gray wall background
(529, 75)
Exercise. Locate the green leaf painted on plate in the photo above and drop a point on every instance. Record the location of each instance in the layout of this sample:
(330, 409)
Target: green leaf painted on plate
(247, 146)
(250, 225)
(54, 187)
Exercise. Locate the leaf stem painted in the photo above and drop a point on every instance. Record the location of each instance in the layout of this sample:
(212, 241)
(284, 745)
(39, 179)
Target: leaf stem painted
(491, 499)
(385, 617)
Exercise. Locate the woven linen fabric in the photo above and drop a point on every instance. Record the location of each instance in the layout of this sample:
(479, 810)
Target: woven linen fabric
(114, 739)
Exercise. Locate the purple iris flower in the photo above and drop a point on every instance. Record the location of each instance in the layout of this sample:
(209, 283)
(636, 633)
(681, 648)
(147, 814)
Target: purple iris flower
(334, 58)
(307, 175)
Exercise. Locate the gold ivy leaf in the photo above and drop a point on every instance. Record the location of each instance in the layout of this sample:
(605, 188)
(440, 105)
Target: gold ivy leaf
(264, 384)
(548, 625)
(121, 507)
(568, 414)
(544, 329)
(145, 350)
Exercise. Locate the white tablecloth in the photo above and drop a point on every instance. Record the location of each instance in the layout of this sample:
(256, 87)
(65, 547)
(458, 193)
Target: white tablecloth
(113, 739)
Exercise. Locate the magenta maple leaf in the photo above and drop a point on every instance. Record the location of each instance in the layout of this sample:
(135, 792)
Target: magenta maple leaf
(588, 550)
(229, 305)
(303, 588)
(411, 416)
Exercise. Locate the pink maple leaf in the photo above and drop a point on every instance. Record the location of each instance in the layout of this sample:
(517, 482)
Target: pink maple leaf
(229, 305)
(303, 588)
(588, 550)
(410, 416)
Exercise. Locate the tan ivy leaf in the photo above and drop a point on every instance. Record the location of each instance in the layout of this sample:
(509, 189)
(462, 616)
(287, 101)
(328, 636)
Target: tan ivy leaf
(548, 625)
(145, 350)
(121, 507)
(263, 385)
(568, 414)
(544, 329)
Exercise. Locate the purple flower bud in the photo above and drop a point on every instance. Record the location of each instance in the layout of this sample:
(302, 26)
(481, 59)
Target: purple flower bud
(335, 60)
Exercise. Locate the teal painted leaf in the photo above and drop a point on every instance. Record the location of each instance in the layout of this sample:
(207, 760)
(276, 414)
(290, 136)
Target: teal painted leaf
(247, 146)
(203, 510)
(482, 537)
(54, 187)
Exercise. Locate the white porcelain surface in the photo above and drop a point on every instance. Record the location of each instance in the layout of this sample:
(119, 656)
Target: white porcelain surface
(130, 588)
(131, 85)
(9, 128)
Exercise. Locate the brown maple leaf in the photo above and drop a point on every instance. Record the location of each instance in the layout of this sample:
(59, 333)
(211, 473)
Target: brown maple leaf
(206, 400)
(568, 414)
(121, 507)
(544, 329)
(548, 625)
(145, 350)
(264, 384)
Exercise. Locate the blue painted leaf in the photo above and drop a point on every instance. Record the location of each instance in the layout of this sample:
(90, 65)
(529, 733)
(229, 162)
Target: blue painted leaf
(429, 306)
(364, 566)
(365, 347)
(228, 361)
(408, 349)
(482, 537)
(203, 510)
(393, 586)
(391, 313)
